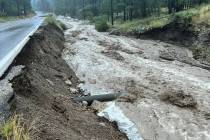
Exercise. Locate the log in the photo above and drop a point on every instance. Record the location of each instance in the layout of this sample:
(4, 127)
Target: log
(101, 98)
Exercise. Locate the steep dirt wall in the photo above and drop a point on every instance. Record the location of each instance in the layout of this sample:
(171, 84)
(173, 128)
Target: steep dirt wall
(194, 37)
(173, 33)
(44, 94)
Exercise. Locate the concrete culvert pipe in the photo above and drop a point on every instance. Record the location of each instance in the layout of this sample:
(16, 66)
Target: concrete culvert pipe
(101, 98)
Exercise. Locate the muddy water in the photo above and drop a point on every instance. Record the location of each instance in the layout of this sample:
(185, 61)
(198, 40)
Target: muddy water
(110, 64)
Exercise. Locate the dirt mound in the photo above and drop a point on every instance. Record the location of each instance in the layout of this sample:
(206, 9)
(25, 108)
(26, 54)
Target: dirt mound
(44, 97)
(179, 98)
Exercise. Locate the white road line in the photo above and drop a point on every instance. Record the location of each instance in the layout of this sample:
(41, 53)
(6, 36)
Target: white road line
(8, 59)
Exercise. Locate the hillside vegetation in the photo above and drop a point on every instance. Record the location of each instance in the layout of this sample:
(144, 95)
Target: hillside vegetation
(135, 13)
(194, 16)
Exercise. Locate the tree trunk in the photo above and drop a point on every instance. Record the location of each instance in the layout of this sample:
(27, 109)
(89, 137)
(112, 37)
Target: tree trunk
(131, 10)
(124, 11)
(24, 7)
(18, 6)
(112, 14)
(83, 9)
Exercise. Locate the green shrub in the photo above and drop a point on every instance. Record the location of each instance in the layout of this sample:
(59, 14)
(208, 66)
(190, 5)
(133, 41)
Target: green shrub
(184, 17)
(101, 24)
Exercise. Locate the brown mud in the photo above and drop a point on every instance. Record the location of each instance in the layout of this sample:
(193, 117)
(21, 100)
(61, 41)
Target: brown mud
(44, 94)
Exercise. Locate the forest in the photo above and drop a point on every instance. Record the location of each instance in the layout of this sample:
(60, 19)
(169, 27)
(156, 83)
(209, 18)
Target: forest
(15, 7)
(116, 9)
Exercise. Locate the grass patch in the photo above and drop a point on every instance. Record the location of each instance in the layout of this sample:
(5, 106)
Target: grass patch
(52, 20)
(8, 18)
(142, 25)
(14, 130)
(12, 18)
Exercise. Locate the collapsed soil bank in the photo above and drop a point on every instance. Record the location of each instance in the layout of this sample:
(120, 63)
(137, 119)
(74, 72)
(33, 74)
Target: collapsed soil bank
(195, 37)
(44, 91)
(175, 33)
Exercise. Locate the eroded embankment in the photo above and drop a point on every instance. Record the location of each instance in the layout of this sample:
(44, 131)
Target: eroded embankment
(175, 33)
(44, 91)
(193, 36)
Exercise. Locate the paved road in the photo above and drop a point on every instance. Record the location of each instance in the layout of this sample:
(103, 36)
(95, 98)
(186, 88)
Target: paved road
(13, 36)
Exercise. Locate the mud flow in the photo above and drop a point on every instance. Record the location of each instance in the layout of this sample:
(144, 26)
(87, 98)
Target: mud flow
(168, 92)
(44, 92)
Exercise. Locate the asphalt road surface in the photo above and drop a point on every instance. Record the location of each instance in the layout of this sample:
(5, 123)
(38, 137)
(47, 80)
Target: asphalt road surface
(13, 35)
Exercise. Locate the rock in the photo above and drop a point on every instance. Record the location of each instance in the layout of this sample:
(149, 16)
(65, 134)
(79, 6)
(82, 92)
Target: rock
(140, 52)
(146, 57)
(61, 75)
(92, 81)
(73, 90)
(84, 103)
(82, 81)
(68, 82)
(167, 55)
(75, 33)
(98, 106)
(83, 38)
(179, 98)
(86, 93)
(102, 124)
(50, 82)
(115, 32)
(114, 55)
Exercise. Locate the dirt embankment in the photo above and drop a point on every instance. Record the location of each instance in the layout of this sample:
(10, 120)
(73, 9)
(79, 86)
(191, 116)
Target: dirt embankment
(44, 91)
(196, 37)
(174, 33)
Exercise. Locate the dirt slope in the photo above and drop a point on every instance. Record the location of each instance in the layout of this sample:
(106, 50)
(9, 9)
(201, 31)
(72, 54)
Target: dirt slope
(44, 91)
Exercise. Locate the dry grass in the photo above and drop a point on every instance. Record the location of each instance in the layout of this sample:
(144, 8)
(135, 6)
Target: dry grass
(203, 15)
(14, 129)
